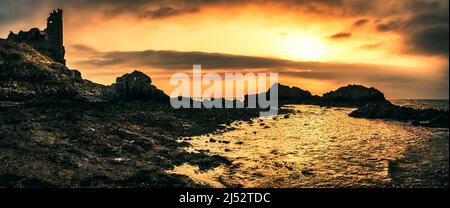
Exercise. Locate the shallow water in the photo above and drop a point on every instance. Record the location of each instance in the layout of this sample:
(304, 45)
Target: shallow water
(314, 147)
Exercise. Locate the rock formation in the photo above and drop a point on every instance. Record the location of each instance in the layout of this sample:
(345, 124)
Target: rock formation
(353, 96)
(26, 73)
(137, 86)
(418, 117)
(32, 66)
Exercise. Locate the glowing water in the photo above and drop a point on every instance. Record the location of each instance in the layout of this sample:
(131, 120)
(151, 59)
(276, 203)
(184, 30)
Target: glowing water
(315, 147)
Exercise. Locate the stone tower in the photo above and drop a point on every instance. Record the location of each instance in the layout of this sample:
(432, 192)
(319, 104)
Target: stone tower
(54, 35)
(48, 41)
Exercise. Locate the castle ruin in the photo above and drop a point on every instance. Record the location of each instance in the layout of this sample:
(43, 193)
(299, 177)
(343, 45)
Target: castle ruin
(48, 41)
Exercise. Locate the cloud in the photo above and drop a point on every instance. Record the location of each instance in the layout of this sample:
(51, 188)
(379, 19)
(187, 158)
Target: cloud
(424, 33)
(163, 12)
(360, 22)
(410, 19)
(371, 46)
(355, 8)
(391, 25)
(173, 60)
(391, 79)
(18, 10)
(341, 35)
(432, 40)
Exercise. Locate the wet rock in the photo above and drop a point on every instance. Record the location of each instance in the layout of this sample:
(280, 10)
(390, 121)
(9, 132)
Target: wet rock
(212, 140)
(439, 120)
(418, 117)
(133, 149)
(14, 116)
(145, 144)
(66, 174)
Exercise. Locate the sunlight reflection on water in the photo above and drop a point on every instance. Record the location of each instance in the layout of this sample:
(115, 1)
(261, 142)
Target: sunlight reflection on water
(314, 147)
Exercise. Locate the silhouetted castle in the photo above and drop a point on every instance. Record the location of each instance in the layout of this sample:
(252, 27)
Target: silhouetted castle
(49, 41)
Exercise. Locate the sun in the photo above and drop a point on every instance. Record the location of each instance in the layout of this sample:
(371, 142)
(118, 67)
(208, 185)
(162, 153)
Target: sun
(304, 48)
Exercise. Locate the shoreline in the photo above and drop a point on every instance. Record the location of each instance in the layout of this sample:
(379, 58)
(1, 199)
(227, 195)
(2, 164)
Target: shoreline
(74, 145)
(243, 172)
(102, 145)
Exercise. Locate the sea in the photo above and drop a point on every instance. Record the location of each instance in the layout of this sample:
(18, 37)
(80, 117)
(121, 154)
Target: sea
(319, 147)
(422, 103)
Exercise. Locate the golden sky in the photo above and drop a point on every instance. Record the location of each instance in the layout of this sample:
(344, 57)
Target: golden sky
(318, 45)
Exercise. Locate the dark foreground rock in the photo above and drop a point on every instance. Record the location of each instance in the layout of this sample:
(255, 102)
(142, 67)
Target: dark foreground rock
(422, 117)
(121, 144)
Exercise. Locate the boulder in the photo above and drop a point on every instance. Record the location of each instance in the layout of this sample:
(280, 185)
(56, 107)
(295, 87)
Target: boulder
(137, 86)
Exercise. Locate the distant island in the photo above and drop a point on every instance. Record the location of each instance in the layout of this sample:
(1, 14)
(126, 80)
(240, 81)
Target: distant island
(60, 130)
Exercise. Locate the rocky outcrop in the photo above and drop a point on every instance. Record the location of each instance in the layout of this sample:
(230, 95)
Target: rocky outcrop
(348, 96)
(26, 73)
(422, 117)
(353, 96)
(137, 86)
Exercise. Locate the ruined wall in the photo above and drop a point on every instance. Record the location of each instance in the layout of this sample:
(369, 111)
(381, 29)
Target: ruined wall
(48, 41)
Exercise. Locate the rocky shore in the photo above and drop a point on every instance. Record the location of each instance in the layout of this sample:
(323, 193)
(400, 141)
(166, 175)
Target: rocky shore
(122, 144)
(60, 130)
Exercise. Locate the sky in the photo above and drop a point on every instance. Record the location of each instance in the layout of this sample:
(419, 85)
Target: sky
(399, 47)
